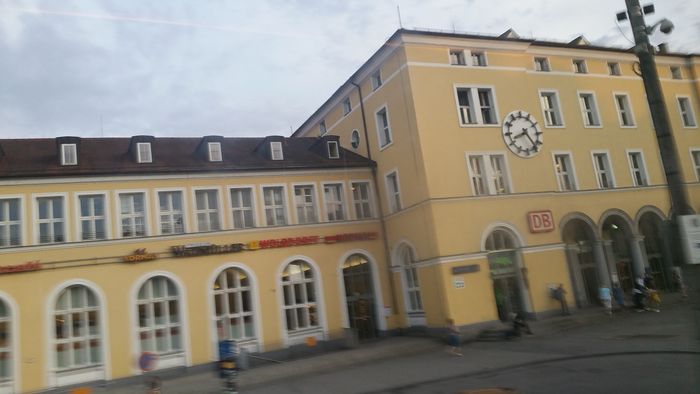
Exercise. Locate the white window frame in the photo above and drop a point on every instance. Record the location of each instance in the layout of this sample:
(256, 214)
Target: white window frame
(22, 218)
(276, 151)
(597, 171)
(557, 110)
(676, 72)
(227, 290)
(614, 69)
(327, 204)
(695, 161)
(629, 111)
(642, 170)
(347, 106)
(322, 129)
(580, 66)
(253, 206)
(313, 205)
(369, 201)
(64, 220)
(305, 306)
(144, 154)
(69, 154)
(215, 153)
(285, 204)
(573, 180)
(406, 260)
(207, 210)
(594, 112)
(541, 64)
(394, 200)
(10, 350)
(383, 131)
(479, 56)
(355, 142)
(376, 80)
(475, 108)
(79, 214)
(146, 213)
(689, 112)
(333, 149)
(457, 57)
(184, 212)
(489, 176)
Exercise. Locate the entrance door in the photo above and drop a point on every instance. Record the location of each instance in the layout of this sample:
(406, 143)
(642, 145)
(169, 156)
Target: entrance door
(589, 274)
(507, 294)
(359, 296)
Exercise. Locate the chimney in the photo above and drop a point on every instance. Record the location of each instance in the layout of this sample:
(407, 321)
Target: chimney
(663, 48)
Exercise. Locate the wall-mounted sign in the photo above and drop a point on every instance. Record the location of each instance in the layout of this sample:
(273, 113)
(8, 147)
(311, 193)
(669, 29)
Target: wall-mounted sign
(28, 266)
(458, 283)
(202, 249)
(466, 269)
(540, 221)
(139, 256)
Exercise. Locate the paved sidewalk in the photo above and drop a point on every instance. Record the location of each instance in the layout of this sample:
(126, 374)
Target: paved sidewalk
(389, 348)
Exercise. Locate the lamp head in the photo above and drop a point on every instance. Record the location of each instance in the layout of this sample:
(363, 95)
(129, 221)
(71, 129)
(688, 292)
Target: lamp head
(666, 26)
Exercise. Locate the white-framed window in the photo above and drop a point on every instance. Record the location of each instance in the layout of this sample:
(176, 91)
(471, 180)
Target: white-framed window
(361, 196)
(322, 128)
(242, 207)
(132, 214)
(580, 66)
(603, 170)
(551, 110)
(393, 191)
(215, 151)
(347, 106)
(78, 343)
(333, 150)
(383, 128)
(457, 57)
(143, 150)
(488, 173)
(565, 172)
(637, 168)
(676, 72)
(410, 275)
(171, 212)
(51, 215)
(159, 317)
(476, 105)
(478, 58)
(542, 64)
(333, 195)
(376, 80)
(69, 154)
(305, 204)
(695, 157)
(275, 205)
(207, 210)
(233, 305)
(614, 68)
(589, 109)
(6, 354)
(299, 292)
(624, 110)
(10, 222)
(93, 217)
(355, 139)
(685, 108)
(276, 150)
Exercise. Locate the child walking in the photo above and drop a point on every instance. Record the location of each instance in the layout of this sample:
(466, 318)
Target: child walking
(453, 338)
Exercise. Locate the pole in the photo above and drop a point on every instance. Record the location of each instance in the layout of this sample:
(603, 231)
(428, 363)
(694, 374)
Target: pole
(659, 115)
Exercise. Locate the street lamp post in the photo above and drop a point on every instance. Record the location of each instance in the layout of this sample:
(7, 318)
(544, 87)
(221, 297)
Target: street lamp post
(659, 114)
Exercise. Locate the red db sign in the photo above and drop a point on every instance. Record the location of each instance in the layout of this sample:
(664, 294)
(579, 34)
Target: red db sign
(540, 221)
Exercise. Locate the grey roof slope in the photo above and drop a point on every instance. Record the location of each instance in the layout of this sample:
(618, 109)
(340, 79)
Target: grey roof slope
(29, 158)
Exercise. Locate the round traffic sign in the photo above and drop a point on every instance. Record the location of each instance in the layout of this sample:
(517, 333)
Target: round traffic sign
(147, 361)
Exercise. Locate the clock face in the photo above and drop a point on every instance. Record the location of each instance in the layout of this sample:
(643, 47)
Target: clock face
(522, 134)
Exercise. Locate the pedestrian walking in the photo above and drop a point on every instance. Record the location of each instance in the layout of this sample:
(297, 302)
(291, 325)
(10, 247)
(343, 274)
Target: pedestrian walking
(618, 294)
(606, 299)
(653, 297)
(560, 295)
(453, 338)
(639, 292)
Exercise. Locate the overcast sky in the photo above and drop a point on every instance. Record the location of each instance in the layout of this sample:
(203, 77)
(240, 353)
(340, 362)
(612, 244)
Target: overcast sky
(241, 68)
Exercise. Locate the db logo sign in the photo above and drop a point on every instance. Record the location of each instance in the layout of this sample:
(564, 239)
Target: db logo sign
(540, 221)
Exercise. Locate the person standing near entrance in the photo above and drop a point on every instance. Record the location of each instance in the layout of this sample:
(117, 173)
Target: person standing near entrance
(453, 338)
(605, 299)
(639, 290)
(560, 295)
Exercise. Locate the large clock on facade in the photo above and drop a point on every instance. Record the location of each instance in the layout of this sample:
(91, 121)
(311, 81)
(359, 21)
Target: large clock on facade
(522, 134)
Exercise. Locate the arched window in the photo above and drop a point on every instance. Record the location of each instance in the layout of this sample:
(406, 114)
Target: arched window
(77, 340)
(160, 324)
(407, 259)
(233, 305)
(500, 239)
(5, 348)
(299, 289)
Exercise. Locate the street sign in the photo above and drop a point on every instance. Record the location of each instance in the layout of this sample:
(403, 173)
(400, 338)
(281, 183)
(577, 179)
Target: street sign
(147, 361)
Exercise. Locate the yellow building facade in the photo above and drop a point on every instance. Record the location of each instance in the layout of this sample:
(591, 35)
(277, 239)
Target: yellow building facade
(508, 166)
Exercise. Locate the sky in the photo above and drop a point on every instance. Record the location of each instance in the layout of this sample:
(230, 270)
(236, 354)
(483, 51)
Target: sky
(117, 68)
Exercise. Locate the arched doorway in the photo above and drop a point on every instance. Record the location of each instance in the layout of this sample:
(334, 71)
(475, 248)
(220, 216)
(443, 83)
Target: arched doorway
(617, 231)
(651, 227)
(508, 288)
(359, 296)
(587, 272)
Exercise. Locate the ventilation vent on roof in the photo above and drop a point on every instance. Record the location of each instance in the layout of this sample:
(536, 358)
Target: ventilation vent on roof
(580, 40)
(510, 33)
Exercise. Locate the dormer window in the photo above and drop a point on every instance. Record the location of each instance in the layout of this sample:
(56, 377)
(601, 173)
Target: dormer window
(215, 151)
(322, 128)
(333, 151)
(276, 151)
(144, 152)
(69, 154)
